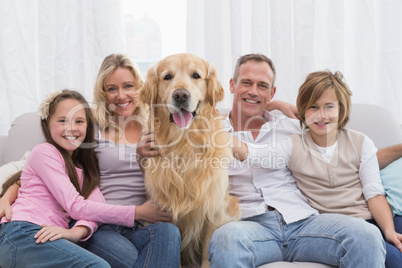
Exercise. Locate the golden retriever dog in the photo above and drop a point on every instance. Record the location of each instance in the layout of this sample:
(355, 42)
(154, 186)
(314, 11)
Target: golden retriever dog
(190, 177)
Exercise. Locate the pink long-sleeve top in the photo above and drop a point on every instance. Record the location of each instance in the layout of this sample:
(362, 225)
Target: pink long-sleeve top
(47, 196)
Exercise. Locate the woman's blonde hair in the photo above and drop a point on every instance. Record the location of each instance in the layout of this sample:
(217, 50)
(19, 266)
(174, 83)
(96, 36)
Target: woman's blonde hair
(315, 85)
(103, 116)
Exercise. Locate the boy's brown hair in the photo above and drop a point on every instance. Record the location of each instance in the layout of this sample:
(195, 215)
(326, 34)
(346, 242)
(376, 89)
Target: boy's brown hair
(315, 85)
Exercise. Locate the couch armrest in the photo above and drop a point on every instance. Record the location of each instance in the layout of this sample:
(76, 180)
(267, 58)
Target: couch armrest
(25, 132)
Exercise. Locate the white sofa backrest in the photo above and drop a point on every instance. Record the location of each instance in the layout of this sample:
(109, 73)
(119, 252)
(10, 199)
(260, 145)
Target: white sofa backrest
(377, 123)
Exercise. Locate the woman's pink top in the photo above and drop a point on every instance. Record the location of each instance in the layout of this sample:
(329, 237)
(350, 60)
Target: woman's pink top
(47, 196)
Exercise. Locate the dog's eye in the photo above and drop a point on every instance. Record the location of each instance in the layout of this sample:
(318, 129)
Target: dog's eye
(196, 76)
(167, 77)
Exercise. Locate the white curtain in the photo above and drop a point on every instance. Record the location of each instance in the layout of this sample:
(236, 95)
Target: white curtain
(360, 38)
(48, 45)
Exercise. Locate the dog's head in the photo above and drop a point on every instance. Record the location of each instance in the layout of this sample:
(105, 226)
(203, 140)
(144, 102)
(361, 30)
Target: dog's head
(185, 85)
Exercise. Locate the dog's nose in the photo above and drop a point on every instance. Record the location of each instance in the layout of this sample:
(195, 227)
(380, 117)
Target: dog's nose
(181, 95)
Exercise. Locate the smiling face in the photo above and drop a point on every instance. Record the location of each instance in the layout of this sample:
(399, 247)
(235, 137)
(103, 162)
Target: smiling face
(68, 124)
(120, 88)
(252, 90)
(322, 118)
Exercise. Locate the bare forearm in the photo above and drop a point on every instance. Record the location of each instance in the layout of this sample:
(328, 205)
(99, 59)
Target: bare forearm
(79, 232)
(8, 198)
(287, 109)
(11, 194)
(389, 154)
(381, 212)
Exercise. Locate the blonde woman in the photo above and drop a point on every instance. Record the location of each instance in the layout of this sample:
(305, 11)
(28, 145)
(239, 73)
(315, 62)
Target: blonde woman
(120, 122)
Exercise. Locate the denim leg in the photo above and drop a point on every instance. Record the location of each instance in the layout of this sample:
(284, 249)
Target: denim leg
(329, 238)
(158, 245)
(18, 249)
(109, 244)
(247, 243)
(398, 223)
(337, 240)
(394, 256)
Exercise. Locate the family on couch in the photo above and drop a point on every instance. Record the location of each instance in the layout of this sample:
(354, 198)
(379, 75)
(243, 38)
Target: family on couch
(278, 222)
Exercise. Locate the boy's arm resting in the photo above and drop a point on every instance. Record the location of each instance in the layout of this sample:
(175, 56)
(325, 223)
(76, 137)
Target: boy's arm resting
(389, 154)
(382, 214)
(7, 199)
(239, 148)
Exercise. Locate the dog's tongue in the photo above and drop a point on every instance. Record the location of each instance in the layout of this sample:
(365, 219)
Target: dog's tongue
(182, 118)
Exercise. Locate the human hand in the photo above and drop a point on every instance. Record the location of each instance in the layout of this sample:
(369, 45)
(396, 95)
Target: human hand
(52, 233)
(239, 148)
(287, 109)
(395, 239)
(5, 208)
(146, 146)
(151, 213)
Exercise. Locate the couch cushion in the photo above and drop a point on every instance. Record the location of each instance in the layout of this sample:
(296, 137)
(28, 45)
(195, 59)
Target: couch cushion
(9, 169)
(25, 132)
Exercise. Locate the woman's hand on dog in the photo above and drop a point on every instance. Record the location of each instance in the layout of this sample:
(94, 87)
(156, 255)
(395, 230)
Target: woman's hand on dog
(146, 146)
(151, 213)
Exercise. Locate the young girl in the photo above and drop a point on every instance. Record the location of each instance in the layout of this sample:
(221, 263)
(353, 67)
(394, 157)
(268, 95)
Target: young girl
(59, 182)
(336, 169)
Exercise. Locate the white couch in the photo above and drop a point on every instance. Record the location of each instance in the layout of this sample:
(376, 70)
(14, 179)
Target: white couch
(375, 121)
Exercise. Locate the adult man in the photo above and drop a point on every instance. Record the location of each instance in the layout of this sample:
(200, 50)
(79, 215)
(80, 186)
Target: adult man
(278, 224)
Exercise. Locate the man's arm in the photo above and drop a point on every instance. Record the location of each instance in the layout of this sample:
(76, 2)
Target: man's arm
(388, 155)
(287, 109)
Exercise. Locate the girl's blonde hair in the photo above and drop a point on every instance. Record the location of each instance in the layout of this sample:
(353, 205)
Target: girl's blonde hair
(103, 116)
(315, 85)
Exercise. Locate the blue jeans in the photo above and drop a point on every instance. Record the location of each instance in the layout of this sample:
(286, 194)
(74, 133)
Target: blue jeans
(332, 239)
(18, 249)
(393, 258)
(156, 245)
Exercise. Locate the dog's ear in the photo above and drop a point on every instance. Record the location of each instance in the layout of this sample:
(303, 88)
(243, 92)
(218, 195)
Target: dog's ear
(215, 91)
(148, 91)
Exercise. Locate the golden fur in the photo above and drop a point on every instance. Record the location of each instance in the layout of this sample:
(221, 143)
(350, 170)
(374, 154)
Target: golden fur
(190, 177)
